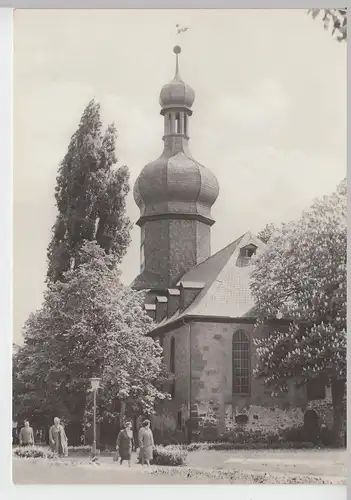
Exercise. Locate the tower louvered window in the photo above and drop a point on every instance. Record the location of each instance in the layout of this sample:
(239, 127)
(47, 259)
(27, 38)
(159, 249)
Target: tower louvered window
(142, 257)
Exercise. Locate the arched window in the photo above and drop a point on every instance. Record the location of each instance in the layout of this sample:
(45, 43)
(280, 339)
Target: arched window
(172, 356)
(241, 363)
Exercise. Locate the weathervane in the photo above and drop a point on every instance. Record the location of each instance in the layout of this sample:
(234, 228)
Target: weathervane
(180, 29)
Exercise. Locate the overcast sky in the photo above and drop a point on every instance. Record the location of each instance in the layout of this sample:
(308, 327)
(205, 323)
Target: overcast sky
(269, 115)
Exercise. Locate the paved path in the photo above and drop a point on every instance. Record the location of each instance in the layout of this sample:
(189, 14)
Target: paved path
(329, 465)
(26, 472)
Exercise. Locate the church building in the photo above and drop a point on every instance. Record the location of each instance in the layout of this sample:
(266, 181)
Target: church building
(201, 303)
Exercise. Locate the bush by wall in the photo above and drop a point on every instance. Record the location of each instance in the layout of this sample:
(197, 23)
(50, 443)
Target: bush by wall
(170, 455)
(243, 436)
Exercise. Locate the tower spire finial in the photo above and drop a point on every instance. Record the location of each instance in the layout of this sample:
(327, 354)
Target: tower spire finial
(177, 50)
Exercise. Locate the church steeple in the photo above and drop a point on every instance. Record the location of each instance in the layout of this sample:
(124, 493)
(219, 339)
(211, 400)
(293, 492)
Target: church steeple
(175, 194)
(176, 99)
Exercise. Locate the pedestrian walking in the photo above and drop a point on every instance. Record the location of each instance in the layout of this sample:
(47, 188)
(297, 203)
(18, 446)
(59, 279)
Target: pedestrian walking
(125, 443)
(58, 439)
(146, 443)
(26, 435)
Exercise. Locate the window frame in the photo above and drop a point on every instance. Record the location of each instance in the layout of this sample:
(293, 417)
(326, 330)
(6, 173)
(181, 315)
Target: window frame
(248, 251)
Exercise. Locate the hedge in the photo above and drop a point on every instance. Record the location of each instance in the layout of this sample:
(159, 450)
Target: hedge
(222, 446)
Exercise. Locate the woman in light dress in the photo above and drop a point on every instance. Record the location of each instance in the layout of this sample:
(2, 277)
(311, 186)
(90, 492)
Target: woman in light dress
(58, 439)
(146, 443)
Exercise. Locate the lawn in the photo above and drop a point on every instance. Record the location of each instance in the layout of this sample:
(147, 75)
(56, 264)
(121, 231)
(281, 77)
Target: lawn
(310, 462)
(204, 467)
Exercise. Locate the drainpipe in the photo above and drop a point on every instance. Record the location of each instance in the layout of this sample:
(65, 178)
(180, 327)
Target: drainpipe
(190, 383)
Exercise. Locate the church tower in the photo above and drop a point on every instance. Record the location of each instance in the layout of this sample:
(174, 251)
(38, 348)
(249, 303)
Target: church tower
(175, 194)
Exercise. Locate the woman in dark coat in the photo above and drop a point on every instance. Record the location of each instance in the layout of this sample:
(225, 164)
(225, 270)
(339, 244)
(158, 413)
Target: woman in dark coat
(125, 443)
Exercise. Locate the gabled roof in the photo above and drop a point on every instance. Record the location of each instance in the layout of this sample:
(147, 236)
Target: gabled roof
(227, 289)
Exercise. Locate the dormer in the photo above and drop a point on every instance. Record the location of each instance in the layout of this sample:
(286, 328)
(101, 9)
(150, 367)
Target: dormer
(245, 254)
(189, 290)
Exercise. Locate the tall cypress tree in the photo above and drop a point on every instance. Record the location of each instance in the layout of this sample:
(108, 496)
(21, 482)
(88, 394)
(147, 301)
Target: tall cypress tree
(90, 197)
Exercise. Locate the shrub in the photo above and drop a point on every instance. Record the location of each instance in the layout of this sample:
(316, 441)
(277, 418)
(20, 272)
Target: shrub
(296, 434)
(33, 452)
(172, 455)
(197, 446)
(327, 437)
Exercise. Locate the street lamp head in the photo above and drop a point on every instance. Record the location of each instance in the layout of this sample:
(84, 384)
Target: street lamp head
(95, 383)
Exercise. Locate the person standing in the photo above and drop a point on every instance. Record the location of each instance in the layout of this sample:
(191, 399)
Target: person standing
(146, 443)
(26, 435)
(125, 443)
(58, 439)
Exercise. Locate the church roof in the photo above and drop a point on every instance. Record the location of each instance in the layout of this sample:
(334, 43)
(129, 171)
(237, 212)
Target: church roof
(227, 284)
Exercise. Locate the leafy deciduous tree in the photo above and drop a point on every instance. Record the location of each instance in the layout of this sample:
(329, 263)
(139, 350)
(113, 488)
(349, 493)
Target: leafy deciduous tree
(89, 325)
(267, 232)
(301, 275)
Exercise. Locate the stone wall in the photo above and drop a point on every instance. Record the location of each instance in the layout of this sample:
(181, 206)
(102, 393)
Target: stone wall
(217, 409)
(172, 247)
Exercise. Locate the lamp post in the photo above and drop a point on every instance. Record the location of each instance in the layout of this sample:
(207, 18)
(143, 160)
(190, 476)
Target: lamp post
(95, 384)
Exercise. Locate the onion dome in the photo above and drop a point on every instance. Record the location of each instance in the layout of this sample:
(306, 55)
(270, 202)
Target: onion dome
(177, 93)
(176, 185)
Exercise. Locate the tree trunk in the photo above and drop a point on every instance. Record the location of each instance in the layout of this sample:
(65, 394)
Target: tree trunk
(74, 431)
(338, 394)
(122, 414)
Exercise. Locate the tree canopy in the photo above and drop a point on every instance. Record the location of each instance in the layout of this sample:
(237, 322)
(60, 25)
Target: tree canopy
(90, 196)
(334, 20)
